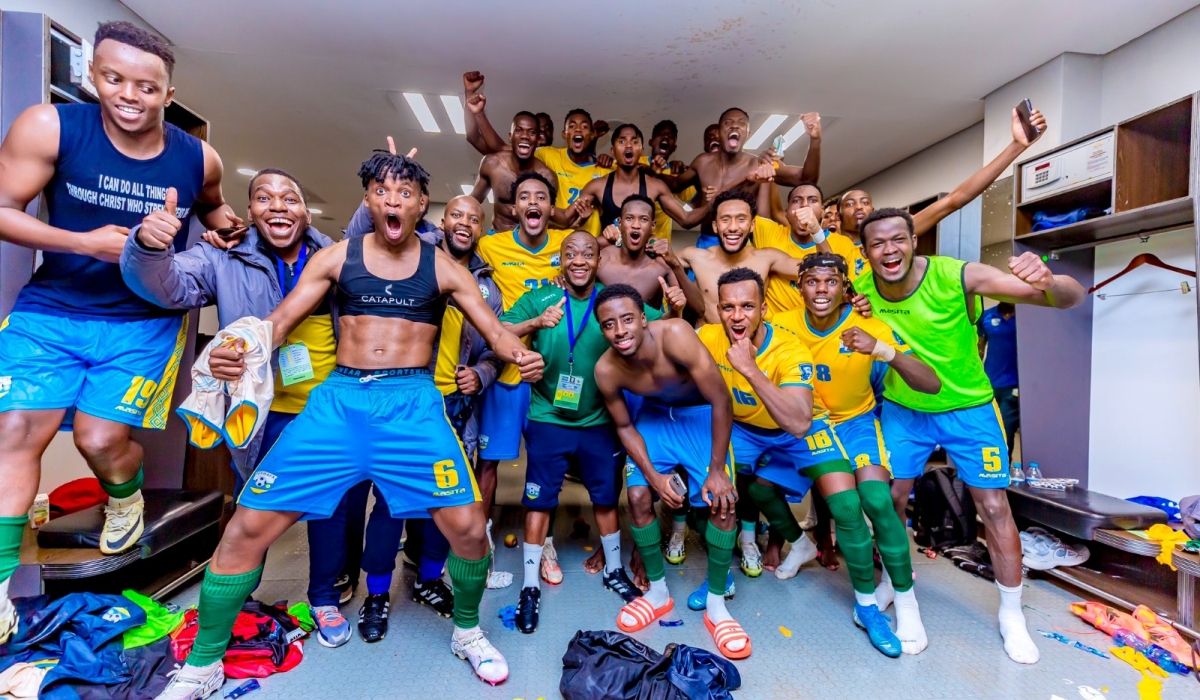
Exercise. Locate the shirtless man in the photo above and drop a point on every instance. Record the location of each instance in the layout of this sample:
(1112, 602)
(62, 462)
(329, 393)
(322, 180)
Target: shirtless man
(545, 129)
(630, 263)
(389, 328)
(685, 421)
(498, 171)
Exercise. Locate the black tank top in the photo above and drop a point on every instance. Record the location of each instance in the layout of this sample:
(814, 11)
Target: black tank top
(610, 211)
(416, 298)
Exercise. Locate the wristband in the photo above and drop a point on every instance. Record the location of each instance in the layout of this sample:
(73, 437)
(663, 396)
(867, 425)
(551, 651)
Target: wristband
(819, 236)
(883, 351)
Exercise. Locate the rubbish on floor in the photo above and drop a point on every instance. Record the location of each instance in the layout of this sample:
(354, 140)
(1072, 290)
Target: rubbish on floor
(510, 541)
(508, 615)
(1041, 550)
(785, 631)
(1138, 660)
(1153, 652)
(1162, 633)
(670, 623)
(248, 687)
(1087, 692)
(608, 664)
(1072, 643)
(1166, 537)
(1149, 688)
(1108, 619)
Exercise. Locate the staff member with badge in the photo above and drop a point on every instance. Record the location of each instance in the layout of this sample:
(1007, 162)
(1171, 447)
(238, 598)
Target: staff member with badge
(567, 422)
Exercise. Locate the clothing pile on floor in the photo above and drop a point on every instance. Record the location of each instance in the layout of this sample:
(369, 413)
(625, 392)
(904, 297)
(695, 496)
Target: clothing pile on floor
(84, 645)
(608, 665)
(1144, 629)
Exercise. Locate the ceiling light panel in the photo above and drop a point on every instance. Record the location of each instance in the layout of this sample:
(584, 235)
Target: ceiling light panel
(420, 109)
(764, 130)
(454, 110)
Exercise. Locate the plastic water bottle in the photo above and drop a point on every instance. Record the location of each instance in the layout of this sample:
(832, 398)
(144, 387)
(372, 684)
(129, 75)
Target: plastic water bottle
(1159, 656)
(1035, 473)
(1015, 474)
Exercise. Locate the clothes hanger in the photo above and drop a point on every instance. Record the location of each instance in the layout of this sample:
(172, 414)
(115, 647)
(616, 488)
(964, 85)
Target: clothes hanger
(1143, 259)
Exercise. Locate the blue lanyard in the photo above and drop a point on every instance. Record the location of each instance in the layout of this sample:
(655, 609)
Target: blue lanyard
(572, 334)
(281, 270)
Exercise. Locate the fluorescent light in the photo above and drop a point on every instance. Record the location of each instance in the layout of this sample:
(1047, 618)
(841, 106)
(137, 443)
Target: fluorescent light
(420, 108)
(454, 110)
(793, 134)
(763, 131)
(315, 211)
(468, 189)
(247, 172)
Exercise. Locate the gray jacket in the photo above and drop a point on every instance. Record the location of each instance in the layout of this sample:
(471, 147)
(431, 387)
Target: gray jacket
(241, 282)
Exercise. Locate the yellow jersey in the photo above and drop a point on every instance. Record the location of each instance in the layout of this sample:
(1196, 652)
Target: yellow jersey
(783, 294)
(782, 358)
(445, 370)
(316, 333)
(856, 262)
(519, 269)
(572, 178)
(843, 376)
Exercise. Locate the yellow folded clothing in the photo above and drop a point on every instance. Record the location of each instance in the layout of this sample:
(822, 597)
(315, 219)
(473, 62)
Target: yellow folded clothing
(1167, 538)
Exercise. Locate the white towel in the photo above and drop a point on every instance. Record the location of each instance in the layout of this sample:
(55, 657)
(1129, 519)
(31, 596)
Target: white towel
(248, 399)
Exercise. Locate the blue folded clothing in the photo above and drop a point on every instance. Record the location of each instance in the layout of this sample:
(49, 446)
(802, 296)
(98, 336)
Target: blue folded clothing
(1044, 220)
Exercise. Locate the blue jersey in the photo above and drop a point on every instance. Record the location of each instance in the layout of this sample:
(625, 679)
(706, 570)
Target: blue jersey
(95, 185)
(1001, 361)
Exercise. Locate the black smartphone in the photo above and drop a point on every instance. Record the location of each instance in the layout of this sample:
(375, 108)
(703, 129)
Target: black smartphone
(1024, 110)
(228, 232)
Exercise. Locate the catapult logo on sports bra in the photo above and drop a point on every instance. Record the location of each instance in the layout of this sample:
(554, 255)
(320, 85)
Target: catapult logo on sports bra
(388, 300)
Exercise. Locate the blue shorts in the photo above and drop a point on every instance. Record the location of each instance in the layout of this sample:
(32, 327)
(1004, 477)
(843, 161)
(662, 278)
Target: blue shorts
(677, 437)
(972, 437)
(781, 458)
(550, 450)
(503, 420)
(862, 438)
(123, 371)
(391, 430)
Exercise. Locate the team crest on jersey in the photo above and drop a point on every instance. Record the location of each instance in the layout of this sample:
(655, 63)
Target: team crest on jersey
(487, 293)
(995, 322)
(629, 467)
(843, 350)
(5, 386)
(483, 442)
(806, 372)
(858, 266)
(555, 260)
(261, 482)
(532, 490)
(115, 615)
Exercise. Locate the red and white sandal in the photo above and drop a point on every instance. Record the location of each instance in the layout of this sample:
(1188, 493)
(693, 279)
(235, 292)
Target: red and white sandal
(724, 633)
(642, 611)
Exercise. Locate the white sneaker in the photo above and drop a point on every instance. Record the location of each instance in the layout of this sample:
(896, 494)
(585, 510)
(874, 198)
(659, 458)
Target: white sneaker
(123, 524)
(751, 559)
(486, 660)
(551, 572)
(1042, 550)
(676, 547)
(194, 683)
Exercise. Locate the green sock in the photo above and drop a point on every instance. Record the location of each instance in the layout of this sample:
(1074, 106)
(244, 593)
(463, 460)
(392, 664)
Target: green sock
(221, 599)
(126, 489)
(649, 542)
(12, 529)
(779, 515)
(854, 538)
(720, 556)
(748, 526)
(890, 535)
(468, 578)
(680, 516)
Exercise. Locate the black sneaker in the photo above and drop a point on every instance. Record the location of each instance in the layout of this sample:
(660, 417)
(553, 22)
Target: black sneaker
(527, 609)
(436, 594)
(619, 582)
(372, 618)
(345, 589)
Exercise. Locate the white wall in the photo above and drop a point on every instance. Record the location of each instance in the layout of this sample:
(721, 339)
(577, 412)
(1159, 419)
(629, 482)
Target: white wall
(1145, 374)
(938, 168)
(1156, 68)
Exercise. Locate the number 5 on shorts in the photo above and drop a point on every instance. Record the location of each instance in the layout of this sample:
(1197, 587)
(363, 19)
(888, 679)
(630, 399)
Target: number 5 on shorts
(445, 474)
(991, 459)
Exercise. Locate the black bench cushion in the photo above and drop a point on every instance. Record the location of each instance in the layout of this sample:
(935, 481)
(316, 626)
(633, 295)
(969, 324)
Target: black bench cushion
(171, 516)
(1079, 512)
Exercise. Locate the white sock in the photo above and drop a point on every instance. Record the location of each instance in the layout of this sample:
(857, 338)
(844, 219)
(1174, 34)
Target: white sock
(865, 599)
(491, 545)
(461, 634)
(803, 551)
(909, 627)
(679, 526)
(717, 612)
(746, 536)
(1017, 643)
(5, 604)
(129, 500)
(884, 592)
(657, 596)
(549, 541)
(190, 672)
(533, 560)
(612, 551)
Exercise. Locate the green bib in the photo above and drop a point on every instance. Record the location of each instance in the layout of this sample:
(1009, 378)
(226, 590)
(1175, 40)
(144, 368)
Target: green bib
(934, 322)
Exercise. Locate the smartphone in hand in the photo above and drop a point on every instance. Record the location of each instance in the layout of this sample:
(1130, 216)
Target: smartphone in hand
(1024, 109)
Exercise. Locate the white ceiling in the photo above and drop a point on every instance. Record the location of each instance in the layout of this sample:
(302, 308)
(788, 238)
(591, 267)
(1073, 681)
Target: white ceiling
(303, 84)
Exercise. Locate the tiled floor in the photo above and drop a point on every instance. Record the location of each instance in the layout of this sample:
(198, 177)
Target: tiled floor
(824, 656)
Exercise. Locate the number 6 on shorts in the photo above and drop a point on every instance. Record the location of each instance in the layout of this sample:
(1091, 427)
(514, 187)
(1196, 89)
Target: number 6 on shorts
(446, 474)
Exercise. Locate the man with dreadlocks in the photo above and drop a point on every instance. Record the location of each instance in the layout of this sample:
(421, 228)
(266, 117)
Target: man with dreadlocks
(847, 351)
(390, 292)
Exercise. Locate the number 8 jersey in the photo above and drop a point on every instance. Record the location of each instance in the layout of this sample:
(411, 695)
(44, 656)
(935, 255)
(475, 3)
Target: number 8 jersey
(783, 358)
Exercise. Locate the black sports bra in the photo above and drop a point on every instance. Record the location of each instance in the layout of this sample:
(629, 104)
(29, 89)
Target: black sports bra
(610, 211)
(416, 298)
